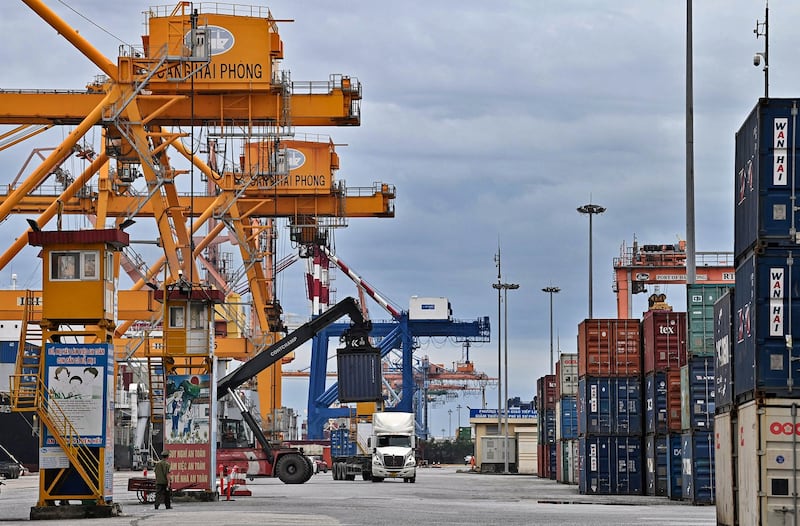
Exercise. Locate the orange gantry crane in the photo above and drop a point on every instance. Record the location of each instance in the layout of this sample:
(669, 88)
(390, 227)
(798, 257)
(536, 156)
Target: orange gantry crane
(639, 265)
(206, 74)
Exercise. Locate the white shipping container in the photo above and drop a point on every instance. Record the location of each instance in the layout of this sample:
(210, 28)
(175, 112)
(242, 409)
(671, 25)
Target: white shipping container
(558, 420)
(568, 457)
(420, 308)
(6, 370)
(724, 469)
(768, 461)
(568, 374)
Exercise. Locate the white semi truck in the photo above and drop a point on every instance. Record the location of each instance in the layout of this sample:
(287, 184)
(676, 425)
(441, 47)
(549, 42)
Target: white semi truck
(386, 449)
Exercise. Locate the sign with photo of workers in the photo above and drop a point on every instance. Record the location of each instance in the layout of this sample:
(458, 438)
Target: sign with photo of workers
(187, 432)
(186, 412)
(79, 382)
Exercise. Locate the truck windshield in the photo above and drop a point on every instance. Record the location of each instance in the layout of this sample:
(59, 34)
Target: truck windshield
(394, 440)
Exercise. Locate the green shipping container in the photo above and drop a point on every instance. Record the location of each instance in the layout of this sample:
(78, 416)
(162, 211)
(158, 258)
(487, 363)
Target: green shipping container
(700, 301)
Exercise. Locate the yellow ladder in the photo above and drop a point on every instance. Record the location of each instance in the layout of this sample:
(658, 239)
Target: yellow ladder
(155, 367)
(28, 368)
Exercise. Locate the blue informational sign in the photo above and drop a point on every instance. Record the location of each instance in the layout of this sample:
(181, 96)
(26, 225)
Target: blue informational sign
(513, 412)
(79, 380)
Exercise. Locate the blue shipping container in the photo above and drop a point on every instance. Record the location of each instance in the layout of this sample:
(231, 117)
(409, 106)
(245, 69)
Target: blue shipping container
(675, 467)
(547, 427)
(552, 453)
(610, 465)
(8, 352)
(723, 342)
(655, 403)
(568, 414)
(656, 465)
(763, 188)
(609, 406)
(341, 445)
(698, 467)
(698, 394)
(761, 322)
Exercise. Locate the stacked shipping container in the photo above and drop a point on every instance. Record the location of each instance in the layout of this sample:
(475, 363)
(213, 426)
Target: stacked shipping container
(756, 424)
(546, 408)
(567, 419)
(664, 353)
(610, 407)
(698, 395)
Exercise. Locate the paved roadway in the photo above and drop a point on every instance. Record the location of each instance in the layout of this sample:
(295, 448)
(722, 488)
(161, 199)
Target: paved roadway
(441, 496)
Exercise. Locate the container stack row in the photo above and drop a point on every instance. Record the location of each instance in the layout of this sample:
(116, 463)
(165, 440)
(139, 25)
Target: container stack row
(757, 422)
(610, 413)
(567, 419)
(664, 355)
(698, 395)
(546, 408)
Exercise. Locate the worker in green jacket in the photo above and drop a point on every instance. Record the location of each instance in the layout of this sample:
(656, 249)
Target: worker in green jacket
(163, 481)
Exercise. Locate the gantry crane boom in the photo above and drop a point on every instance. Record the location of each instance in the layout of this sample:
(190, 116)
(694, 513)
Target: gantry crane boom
(332, 105)
(664, 264)
(180, 78)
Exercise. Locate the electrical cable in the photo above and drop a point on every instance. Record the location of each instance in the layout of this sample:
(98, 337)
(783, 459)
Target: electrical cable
(95, 24)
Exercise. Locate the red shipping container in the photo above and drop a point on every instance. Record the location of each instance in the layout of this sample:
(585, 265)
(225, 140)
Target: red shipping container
(663, 340)
(609, 348)
(542, 463)
(546, 392)
(560, 460)
(674, 399)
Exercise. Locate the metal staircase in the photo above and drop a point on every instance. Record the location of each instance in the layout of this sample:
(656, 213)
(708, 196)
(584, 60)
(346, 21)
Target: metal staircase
(155, 367)
(28, 368)
(29, 394)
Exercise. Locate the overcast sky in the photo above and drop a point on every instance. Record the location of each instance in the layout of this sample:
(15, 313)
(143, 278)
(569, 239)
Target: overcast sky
(494, 120)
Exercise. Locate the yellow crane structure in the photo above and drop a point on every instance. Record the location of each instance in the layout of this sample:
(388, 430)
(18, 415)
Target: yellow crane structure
(204, 71)
(186, 77)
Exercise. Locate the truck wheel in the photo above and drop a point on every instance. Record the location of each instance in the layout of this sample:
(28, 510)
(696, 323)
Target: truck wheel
(412, 479)
(366, 475)
(335, 471)
(310, 469)
(377, 479)
(292, 469)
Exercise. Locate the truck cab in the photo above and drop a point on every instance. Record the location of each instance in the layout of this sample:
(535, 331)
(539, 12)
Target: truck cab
(393, 446)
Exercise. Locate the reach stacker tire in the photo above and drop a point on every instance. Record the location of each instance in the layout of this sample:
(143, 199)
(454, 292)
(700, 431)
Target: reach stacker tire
(293, 469)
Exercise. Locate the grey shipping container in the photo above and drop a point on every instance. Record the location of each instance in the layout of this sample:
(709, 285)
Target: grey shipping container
(359, 373)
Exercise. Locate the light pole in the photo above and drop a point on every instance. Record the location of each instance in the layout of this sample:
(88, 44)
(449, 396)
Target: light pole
(505, 287)
(499, 343)
(450, 423)
(591, 210)
(458, 408)
(761, 30)
(551, 290)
